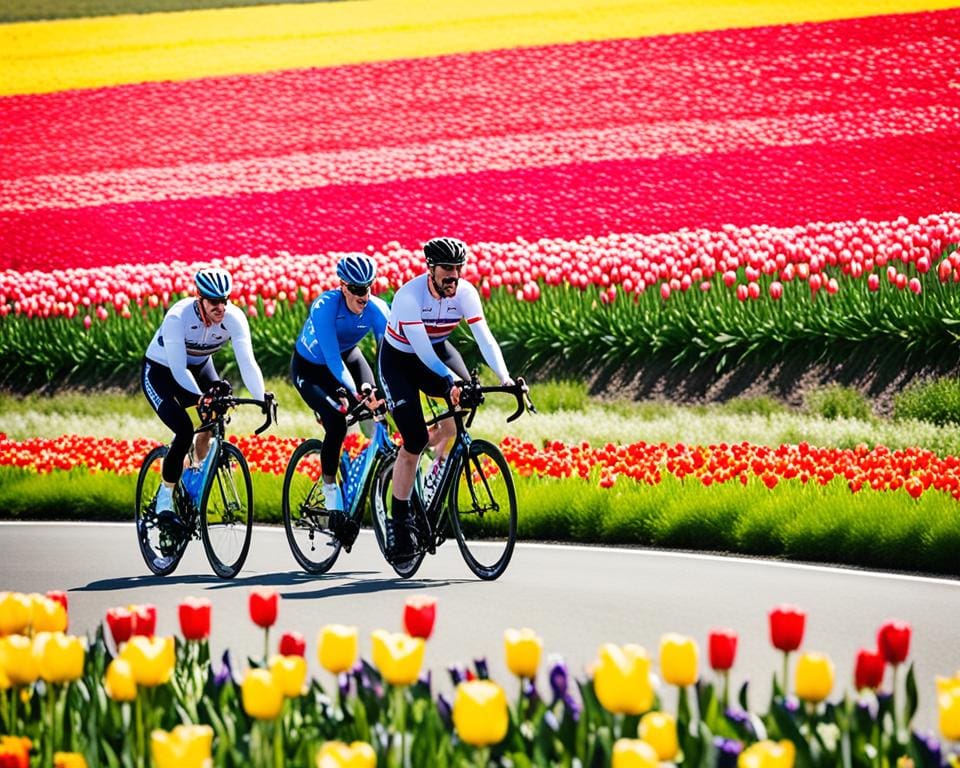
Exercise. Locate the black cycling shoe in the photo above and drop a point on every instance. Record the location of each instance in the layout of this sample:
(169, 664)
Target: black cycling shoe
(344, 528)
(400, 540)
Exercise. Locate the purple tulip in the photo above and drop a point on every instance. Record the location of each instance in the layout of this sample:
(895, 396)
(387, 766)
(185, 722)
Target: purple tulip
(344, 682)
(458, 674)
(930, 747)
(559, 677)
(573, 707)
(728, 750)
(225, 673)
(483, 673)
(445, 710)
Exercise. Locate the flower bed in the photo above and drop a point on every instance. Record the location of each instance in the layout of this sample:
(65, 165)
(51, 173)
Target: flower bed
(126, 694)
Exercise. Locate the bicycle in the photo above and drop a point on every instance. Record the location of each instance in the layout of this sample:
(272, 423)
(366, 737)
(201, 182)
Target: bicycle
(214, 504)
(475, 490)
(312, 541)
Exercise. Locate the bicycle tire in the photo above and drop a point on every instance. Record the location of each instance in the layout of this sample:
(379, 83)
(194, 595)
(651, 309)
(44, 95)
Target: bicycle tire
(161, 558)
(380, 500)
(483, 503)
(226, 513)
(302, 503)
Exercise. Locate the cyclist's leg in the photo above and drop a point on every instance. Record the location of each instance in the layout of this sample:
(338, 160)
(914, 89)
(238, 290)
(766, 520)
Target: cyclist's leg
(316, 383)
(404, 376)
(362, 374)
(441, 436)
(205, 375)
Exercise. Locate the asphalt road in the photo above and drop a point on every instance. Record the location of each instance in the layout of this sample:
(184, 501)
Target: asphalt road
(576, 598)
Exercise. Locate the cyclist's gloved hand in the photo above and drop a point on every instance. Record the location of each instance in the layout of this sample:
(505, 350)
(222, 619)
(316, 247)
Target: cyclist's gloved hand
(507, 382)
(214, 392)
(268, 398)
(454, 393)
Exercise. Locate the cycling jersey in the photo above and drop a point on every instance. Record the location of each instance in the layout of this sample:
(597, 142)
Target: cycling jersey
(418, 320)
(183, 339)
(329, 311)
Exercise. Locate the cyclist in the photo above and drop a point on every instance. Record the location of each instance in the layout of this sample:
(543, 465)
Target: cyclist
(418, 357)
(327, 359)
(178, 371)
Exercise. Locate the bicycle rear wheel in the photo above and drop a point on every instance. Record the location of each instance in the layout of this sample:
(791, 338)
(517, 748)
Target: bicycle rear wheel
(483, 505)
(380, 500)
(305, 515)
(226, 513)
(161, 549)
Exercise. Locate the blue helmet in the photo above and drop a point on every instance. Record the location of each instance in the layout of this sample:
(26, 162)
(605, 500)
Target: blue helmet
(213, 283)
(445, 250)
(357, 269)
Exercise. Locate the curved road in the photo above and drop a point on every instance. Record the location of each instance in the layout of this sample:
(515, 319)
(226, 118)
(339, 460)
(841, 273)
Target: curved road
(575, 597)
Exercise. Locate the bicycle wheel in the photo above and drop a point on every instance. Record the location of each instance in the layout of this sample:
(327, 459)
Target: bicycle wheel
(161, 549)
(380, 500)
(483, 505)
(226, 513)
(305, 516)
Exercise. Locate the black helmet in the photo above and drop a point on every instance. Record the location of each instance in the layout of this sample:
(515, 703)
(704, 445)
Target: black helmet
(445, 250)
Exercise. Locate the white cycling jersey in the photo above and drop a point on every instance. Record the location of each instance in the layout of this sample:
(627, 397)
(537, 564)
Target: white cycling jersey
(182, 339)
(418, 320)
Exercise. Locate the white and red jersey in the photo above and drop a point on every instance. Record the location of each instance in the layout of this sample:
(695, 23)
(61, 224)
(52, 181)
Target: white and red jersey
(418, 320)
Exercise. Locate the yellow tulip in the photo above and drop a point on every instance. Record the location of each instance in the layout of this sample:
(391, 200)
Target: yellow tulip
(47, 615)
(290, 672)
(480, 713)
(523, 648)
(397, 656)
(948, 704)
(678, 659)
(262, 694)
(186, 746)
(659, 730)
(633, 753)
(69, 760)
(947, 684)
(119, 682)
(622, 679)
(60, 656)
(768, 754)
(336, 754)
(15, 611)
(151, 659)
(18, 659)
(337, 648)
(813, 677)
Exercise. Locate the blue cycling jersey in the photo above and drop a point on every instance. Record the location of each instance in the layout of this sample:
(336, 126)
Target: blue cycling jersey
(329, 311)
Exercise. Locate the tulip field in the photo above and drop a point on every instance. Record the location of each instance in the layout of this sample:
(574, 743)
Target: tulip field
(703, 188)
(126, 696)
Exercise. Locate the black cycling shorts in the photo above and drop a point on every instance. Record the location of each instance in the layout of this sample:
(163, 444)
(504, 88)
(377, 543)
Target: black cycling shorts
(404, 376)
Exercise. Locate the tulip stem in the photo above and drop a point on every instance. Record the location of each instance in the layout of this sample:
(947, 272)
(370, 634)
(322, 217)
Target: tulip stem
(52, 711)
(278, 760)
(266, 646)
(14, 695)
(726, 689)
(401, 716)
(141, 749)
(786, 672)
(893, 703)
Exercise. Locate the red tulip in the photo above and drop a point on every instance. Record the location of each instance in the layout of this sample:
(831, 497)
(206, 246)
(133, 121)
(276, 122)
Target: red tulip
(419, 615)
(195, 618)
(293, 644)
(264, 602)
(144, 619)
(893, 641)
(723, 649)
(120, 623)
(786, 627)
(868, 672)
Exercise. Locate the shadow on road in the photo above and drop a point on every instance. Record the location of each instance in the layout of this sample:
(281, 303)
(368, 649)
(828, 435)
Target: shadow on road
(340, 583)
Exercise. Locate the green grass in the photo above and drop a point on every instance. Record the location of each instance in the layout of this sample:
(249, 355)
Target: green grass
(936, 401)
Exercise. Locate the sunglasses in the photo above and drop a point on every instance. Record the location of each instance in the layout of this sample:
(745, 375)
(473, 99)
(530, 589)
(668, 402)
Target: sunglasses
(216, 302)
(358, 290)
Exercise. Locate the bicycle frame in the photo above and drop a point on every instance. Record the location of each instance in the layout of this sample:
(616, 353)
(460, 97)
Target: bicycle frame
(356, 473)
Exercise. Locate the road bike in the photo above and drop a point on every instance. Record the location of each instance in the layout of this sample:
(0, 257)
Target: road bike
(474, 495)
(213, 503)
(312, 541)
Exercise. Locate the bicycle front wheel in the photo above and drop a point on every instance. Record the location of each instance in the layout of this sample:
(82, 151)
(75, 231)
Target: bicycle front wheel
(305, 515)
(483, 505)
(226, 513)
(161, 550)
